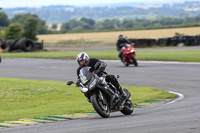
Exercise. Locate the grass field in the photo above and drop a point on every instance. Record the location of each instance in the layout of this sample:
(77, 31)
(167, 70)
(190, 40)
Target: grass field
(21, 98)
(111, 37)
(179, 55)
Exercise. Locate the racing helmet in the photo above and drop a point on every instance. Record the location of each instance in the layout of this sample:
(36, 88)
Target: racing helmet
(82, 59)
(121, 36)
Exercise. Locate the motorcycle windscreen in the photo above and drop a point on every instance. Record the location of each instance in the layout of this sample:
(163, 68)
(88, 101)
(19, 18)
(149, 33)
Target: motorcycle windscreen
(127, 46)
(85, 75)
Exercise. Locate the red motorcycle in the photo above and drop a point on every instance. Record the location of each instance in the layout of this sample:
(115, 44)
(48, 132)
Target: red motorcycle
(129, 55)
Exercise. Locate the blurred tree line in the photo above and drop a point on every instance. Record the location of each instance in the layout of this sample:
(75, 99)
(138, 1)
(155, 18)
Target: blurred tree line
(22, 26)
(88, 24)
(29, 25)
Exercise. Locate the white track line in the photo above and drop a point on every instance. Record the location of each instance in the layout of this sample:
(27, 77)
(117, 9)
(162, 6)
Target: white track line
(181, 96)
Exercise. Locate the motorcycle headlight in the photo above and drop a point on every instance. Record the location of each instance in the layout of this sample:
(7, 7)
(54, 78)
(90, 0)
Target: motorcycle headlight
(132, 50)
(84, 90)
(92, 85)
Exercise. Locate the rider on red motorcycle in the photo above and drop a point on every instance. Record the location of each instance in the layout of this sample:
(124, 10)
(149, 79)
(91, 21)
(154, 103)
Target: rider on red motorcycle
(83, 60)
(120, 43)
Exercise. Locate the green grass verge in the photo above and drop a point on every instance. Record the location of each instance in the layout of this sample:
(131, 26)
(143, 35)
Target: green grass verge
(22, 98)
(179, 55)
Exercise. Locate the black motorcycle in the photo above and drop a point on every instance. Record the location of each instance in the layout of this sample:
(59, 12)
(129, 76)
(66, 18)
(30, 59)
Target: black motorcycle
(103, 95)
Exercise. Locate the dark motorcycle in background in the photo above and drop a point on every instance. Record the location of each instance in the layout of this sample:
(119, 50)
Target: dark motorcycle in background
(103, 96)
(128, 55)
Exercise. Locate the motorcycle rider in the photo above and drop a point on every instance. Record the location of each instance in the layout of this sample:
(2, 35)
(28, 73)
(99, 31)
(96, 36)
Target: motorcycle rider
(83, 60)
(120, 43)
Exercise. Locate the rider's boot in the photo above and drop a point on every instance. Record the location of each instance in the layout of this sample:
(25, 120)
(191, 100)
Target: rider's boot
(114, 81)
(122, 92)
(123, 61)
(121, 58)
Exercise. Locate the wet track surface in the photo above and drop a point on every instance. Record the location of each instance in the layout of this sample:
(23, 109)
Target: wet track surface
(180, 117)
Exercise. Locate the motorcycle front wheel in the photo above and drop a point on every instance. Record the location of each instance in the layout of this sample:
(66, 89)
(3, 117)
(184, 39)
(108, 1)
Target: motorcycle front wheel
(101, 108)
(134, 60)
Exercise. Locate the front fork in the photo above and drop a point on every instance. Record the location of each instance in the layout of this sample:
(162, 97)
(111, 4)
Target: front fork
(101, 98)
(129, 57)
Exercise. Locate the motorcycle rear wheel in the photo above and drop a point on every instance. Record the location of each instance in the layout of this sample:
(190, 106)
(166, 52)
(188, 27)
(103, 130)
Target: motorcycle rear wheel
(101, 109)
(128, 108)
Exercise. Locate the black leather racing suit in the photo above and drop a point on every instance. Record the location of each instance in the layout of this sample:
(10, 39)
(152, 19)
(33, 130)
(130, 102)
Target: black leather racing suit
(109, 77)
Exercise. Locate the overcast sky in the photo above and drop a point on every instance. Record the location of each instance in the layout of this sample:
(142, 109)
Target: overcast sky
(39, 3)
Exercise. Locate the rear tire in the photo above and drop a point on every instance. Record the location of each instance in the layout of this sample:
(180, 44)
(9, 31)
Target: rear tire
(128, 108)
(134, 61)
(126, 64)
(102, 110)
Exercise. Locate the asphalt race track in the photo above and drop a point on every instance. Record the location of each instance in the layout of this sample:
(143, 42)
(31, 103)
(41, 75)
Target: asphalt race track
(182, 116)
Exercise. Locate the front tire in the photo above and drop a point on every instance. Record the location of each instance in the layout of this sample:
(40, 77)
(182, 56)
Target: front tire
(101, 109)
(128, 108)
(134, 61)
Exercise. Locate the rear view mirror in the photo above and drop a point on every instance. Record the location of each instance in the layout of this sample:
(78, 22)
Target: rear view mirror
(70, 82)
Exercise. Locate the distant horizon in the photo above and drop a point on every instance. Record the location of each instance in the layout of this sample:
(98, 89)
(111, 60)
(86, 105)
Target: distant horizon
(78, 3)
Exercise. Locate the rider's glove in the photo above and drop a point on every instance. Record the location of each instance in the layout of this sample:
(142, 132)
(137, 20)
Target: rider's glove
(100, 67)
